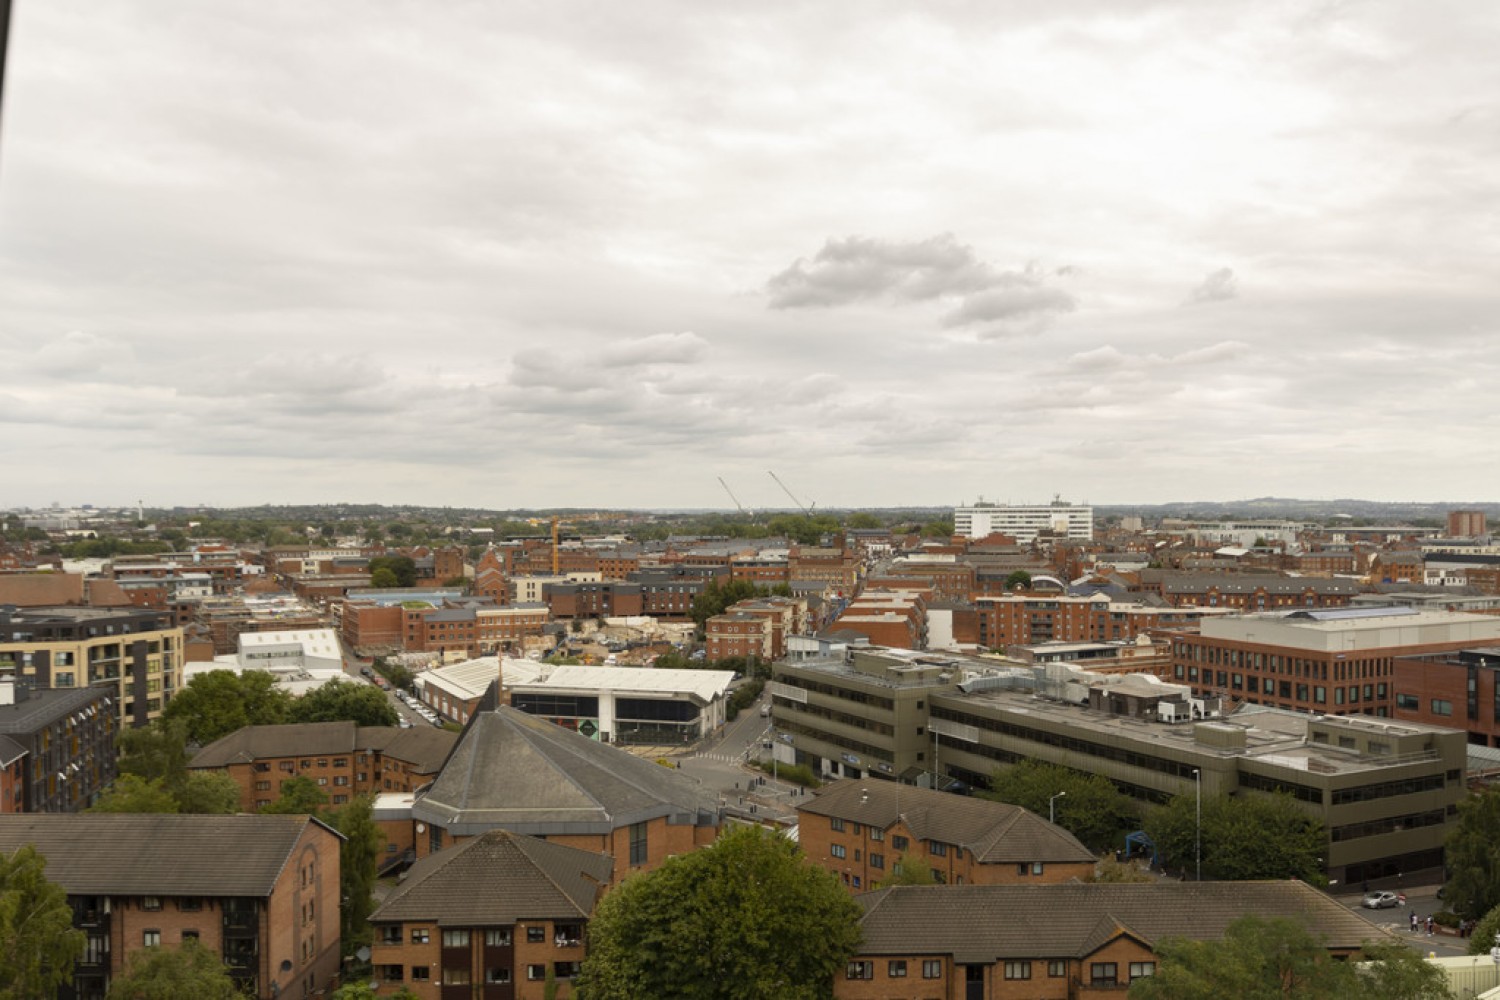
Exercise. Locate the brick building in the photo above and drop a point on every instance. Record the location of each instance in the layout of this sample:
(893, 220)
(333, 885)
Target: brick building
(512, 771)
(1068, 942)
(1024, 619)
(886, 618)
(259, 892)
(1460, 688)
(862, 830)
(344, 759)
(491, 917)
(1335, 661)
(738, 633)
(1247, 592)
(839, 569)
(1466, 524)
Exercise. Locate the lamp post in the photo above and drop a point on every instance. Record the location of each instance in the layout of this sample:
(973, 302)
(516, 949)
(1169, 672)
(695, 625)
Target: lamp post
(1198, 824)
(1052, 807)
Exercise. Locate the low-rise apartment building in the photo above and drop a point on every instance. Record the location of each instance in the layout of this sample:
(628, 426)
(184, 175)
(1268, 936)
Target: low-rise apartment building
(1062, 942)
(864, 831)
(67, 740)
(495, 917)
(1022, 619)
(259, 892)
(342, 758)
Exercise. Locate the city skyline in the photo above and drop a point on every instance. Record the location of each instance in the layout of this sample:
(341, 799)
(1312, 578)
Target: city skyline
(521, 257)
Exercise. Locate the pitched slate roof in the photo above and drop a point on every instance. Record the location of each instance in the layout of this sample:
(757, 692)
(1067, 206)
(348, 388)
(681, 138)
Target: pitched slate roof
(499, 878)
(995, 833)
(525, 774)
(986, 923)
(422, 747)
(159, 855)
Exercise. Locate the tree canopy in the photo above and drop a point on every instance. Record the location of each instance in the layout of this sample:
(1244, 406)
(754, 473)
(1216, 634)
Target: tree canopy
(402, 568)
(359, 859)
(1244, 837)
(715, 597)
(746, 918)
(1093, 810)
(912, 869)
(1260, 959)
(190, 970)
(1473, 856)
(217, 703)
(38, 945)
(363, 704)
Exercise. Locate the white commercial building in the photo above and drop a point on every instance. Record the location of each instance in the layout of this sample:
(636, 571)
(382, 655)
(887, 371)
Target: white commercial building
(1024, 522)
(638, 705)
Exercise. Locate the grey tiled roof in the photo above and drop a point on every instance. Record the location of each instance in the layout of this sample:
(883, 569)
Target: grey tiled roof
(158, 855)
(975, 923)
(423, 747)
(499, 878)
(525, 774)
(45, 705)
(994, 832)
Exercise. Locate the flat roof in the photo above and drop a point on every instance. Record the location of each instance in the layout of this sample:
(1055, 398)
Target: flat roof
(705, 684)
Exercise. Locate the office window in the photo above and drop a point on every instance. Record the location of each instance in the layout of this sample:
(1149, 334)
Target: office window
(860, 970)
(932, 968)
(1139, 970)
(1057, 968)
(1017, 970)
(837, 850)
(151, 938)
(1104, 973)
(455, 977)
(896, 968)
(1441, 707)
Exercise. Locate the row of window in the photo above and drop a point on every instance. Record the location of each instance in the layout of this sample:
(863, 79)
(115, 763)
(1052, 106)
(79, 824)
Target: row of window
(497, 975)
(1100, 973)
(564, 936)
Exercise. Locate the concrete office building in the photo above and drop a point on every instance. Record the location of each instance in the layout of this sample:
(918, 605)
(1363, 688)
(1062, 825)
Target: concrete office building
(1024, 522)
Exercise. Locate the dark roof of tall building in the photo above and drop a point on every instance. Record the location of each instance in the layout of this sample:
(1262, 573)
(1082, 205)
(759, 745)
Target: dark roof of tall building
(422, 747)
(42, 706)
(994, 832)
(499, 878)
(981, 924)
(124, 854)
(518, 772)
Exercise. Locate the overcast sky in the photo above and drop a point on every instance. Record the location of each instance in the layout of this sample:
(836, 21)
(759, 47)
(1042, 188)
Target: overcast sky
(517, 254)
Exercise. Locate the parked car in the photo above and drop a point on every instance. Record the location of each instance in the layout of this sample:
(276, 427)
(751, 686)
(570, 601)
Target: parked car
(1380, 900)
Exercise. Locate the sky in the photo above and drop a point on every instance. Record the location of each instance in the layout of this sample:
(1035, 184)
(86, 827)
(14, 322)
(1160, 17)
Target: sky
(526, 254)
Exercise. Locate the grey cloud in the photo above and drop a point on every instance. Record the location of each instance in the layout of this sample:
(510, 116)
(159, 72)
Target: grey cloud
(860, 267)
(1019, 302)
(1217, 286)
(657, 349)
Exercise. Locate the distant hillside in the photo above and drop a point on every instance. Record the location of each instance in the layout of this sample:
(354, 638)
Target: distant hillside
(1359, 511)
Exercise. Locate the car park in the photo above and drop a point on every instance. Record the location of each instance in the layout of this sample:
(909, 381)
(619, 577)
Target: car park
(1380, 900)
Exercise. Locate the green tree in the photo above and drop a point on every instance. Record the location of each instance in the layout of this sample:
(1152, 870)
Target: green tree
(912, 869)
(1260, 959)
(157, 752)
(130, 793)
(938, 529)
(1482, 939)
(1247, 837)
(338, 700)
(1018, 580)
(299, 795)
(746, 918)
(402, 567)
(359, 857)
(1112, 871)
(861, 521)
(38, 945)
(174, 973)
(1093, 810)
(209, 793)
(1473, 856)
(219, 702)
(383, 578)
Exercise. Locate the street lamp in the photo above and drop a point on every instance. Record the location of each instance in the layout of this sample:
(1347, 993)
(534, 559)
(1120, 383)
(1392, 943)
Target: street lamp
(1052, 807)
(1198, 823)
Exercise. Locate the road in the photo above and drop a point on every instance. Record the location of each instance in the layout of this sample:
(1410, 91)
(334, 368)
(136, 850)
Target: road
(720, 763)
(1421, 900)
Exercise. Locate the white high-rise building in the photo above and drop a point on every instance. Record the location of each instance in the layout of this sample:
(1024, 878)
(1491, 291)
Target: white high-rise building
(1024, 522)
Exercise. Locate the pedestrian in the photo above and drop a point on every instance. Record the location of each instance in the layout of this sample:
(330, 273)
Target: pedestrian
(1429, 925)
(1414, 921)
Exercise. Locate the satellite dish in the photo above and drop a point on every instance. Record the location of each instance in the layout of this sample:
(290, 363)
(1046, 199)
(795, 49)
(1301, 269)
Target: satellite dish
(421, 828)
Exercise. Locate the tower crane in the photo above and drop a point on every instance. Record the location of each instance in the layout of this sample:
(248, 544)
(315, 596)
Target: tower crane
(732, 496)
(807, 510)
